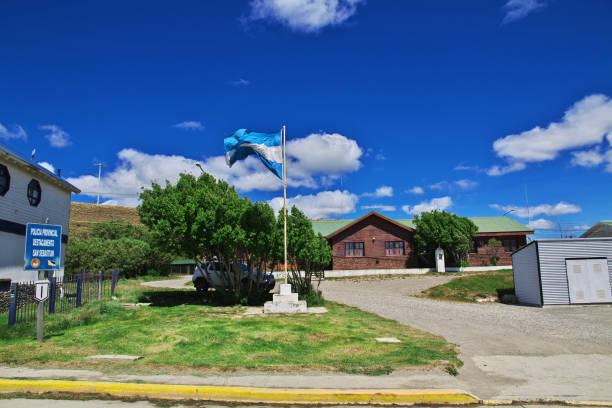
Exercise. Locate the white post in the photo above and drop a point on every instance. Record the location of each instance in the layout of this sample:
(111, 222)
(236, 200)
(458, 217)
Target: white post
(285, 199)
(100, 165)
(40, 313)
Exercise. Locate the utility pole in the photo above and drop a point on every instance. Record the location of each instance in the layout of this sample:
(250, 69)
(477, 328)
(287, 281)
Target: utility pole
(527, 203)
(99, 165)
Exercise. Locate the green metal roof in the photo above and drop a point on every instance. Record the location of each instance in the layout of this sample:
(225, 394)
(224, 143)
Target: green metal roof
(499, 224)
(484, 224)
(328, 227)
(183, 262)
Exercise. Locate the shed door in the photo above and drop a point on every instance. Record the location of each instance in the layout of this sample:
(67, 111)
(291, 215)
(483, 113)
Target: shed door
(588, 280)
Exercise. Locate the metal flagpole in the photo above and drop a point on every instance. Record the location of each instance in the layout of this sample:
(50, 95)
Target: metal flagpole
(285, 200)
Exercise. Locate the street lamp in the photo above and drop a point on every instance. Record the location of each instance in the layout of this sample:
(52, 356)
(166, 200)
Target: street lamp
(509, 211)
(198, 165)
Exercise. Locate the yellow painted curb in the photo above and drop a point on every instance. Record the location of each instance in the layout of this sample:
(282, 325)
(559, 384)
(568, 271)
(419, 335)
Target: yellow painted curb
(548, 401)
(245, 394)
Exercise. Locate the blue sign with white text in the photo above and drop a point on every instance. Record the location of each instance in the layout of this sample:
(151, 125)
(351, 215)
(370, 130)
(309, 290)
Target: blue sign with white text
(43, 247)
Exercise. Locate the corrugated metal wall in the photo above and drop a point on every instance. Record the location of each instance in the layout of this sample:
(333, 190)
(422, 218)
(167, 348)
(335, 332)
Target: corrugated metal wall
(553, 254)
(526, 277)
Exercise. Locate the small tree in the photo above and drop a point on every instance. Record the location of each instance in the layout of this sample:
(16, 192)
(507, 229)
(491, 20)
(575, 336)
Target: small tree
(445, 230)
(492, 250)
(306, 251)
(205, 218)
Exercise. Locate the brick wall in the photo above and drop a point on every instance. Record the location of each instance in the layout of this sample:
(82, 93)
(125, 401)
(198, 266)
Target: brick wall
(481, 256)
(373, 232)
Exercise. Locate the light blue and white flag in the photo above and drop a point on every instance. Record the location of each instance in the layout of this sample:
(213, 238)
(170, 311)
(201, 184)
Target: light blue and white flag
(266, 146)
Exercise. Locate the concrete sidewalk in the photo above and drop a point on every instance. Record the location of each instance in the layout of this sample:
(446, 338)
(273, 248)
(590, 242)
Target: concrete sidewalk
(400, 388)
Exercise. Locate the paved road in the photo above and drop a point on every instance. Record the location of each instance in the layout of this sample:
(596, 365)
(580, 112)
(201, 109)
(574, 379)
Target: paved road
(508, 351)
(175, 283)
(42, 403)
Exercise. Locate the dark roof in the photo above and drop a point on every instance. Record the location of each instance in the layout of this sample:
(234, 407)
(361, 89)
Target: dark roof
(484, 224)
(601, 229)
(26, 162)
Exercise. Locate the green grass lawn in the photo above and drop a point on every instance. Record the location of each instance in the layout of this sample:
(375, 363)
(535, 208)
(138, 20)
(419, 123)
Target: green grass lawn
(178, 333)
(470, 288)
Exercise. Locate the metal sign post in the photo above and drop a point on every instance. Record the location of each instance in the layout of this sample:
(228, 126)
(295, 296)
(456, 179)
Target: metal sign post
(43, 252)
(41, 294)
(43, 247)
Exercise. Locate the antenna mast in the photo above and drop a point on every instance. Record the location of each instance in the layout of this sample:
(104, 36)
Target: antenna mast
(99, 165)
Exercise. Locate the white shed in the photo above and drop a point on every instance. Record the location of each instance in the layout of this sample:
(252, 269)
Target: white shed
(563, 271)
(29, 193)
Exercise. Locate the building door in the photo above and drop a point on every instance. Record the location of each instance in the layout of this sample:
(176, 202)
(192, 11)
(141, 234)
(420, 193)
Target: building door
(588, 280)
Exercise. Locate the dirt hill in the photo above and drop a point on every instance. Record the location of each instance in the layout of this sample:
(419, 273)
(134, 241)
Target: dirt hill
(84, 216)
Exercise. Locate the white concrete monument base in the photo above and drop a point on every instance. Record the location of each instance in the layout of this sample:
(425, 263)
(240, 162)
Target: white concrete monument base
(285, 302)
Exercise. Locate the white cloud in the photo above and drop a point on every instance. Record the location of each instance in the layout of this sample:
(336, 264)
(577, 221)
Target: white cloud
(416, 190)
(56, 136)
(463, 184)
(382, 191)
(320, 205)
(518, 9)
(380, 156)
(542, 224)
(543, 209)
(380, 207)
(440, 204)
(583, 124)
(582, 227)
(439, 186)
(466, 184)
(321, 154)
(304, 15)
(314, 160)
(587, 158)
(510, 168)
(190, 125)
(16, 133)
(593, 158)
(240, 82)
(47, 166)
(461, 167)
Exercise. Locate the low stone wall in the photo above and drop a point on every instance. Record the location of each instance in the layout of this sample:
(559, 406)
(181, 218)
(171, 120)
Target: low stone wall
(24, 297)
(5, 299)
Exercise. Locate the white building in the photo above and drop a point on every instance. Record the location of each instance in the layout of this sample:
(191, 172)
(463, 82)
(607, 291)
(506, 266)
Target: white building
(563, 271)
(29, 193)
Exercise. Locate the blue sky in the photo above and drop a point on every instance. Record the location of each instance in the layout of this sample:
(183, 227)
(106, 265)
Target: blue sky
(399, 106)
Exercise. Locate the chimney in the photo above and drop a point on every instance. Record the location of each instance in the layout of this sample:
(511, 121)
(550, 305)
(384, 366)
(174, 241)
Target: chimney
(59, 172)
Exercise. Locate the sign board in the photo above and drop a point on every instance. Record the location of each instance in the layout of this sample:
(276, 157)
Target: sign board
(43, 247)
(42, 290)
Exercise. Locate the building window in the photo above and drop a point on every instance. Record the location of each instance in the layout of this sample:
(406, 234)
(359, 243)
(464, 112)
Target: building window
(394, 248)
(353, 248)
(34, 193)
(5, 179)
(473, 246)
(510, 245)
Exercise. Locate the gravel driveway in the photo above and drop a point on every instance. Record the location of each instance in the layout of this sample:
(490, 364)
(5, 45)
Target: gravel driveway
(508, 351)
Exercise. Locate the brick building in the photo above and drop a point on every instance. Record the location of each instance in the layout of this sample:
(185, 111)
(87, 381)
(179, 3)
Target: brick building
(377, 242)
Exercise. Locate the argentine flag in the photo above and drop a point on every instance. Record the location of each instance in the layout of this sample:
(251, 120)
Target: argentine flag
(266, 146)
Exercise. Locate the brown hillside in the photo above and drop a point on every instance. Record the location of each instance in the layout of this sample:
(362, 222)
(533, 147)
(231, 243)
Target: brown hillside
(84, 216)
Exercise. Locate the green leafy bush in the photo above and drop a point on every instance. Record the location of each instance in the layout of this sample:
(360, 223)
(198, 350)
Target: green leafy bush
(313, 298)
(115, 244)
